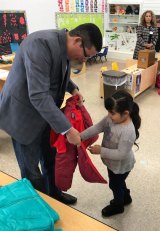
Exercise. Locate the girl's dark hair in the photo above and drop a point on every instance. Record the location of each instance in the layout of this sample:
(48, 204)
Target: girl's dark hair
(122, 101)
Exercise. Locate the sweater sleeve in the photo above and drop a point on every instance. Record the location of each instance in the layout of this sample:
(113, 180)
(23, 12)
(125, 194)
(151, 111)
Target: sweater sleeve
(93, 130)
(124, 147)
(155, 36)
(140, 35)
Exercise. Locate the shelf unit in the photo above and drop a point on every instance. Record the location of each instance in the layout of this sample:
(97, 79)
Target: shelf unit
(121, 26)
(123, 22)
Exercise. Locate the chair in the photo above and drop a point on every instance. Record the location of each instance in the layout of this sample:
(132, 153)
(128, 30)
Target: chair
(103, 53)
(92, 59)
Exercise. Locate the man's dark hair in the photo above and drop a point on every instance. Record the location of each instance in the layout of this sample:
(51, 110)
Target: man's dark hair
(90, 34)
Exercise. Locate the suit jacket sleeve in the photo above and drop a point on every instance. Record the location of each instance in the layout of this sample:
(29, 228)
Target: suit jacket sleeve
(38, 61)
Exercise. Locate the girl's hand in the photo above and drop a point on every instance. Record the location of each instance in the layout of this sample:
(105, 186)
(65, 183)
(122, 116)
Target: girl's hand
(96, 149)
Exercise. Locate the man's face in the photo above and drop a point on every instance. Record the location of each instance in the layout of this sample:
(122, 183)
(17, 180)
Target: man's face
(78, 51)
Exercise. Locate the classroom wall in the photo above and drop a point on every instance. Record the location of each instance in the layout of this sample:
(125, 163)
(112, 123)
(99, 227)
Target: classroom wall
(40, 13)
(153, 5)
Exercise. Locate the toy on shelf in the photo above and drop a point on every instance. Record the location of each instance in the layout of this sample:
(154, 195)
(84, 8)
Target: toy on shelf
(130, 29)
(136, 10)
(112, 9)
(129, 10)
(119, 10)
(115, 29)
(115, 20)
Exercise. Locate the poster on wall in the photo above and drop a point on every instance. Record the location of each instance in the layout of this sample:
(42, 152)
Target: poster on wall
(71, 20)
(81, 6)
(12, 31)
(66, 5)
(60, 6)
(72, 6)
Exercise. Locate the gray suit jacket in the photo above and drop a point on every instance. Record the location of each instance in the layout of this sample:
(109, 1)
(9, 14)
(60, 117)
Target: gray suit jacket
(35, 87)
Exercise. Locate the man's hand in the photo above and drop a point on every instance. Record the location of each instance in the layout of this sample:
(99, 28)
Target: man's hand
(96, 149)
(81, 100)
(73, 137)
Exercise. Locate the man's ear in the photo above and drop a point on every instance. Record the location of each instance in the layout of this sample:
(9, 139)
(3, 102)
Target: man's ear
(77, 40)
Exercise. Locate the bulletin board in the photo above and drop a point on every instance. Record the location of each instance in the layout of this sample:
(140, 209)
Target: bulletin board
(72, 20)
(13, 29)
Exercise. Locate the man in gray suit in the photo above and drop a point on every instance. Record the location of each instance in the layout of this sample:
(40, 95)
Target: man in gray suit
(33, 93)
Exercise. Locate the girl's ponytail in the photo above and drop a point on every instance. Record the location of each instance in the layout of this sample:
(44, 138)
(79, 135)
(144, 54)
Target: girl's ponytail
(136, 118)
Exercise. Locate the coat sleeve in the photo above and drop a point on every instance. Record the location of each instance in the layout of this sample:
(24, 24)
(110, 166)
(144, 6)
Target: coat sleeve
(155, 36)
(38, 61)
(140, 35)
(93, 130)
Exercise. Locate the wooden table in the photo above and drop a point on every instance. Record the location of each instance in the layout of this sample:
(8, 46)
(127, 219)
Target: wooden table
(70, 219)
(5, 66)
(3, 76)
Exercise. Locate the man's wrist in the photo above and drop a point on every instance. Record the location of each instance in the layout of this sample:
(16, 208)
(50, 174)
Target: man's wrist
(75, 91)
(63, 133)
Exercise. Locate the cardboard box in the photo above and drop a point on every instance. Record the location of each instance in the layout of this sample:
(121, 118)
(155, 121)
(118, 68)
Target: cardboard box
(146, 58)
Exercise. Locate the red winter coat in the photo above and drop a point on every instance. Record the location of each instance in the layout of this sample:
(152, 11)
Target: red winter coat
(68, 155)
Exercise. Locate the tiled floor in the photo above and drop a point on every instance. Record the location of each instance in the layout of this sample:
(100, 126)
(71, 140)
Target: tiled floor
(144, 213)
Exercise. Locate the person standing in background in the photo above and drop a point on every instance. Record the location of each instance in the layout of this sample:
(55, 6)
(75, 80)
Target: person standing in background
(147, 33)
(33, 94)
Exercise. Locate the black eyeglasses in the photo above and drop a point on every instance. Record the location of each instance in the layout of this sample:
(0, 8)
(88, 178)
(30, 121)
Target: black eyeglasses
(84, 51)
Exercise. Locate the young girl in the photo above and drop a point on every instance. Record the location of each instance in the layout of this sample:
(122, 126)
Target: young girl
(120, 128)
